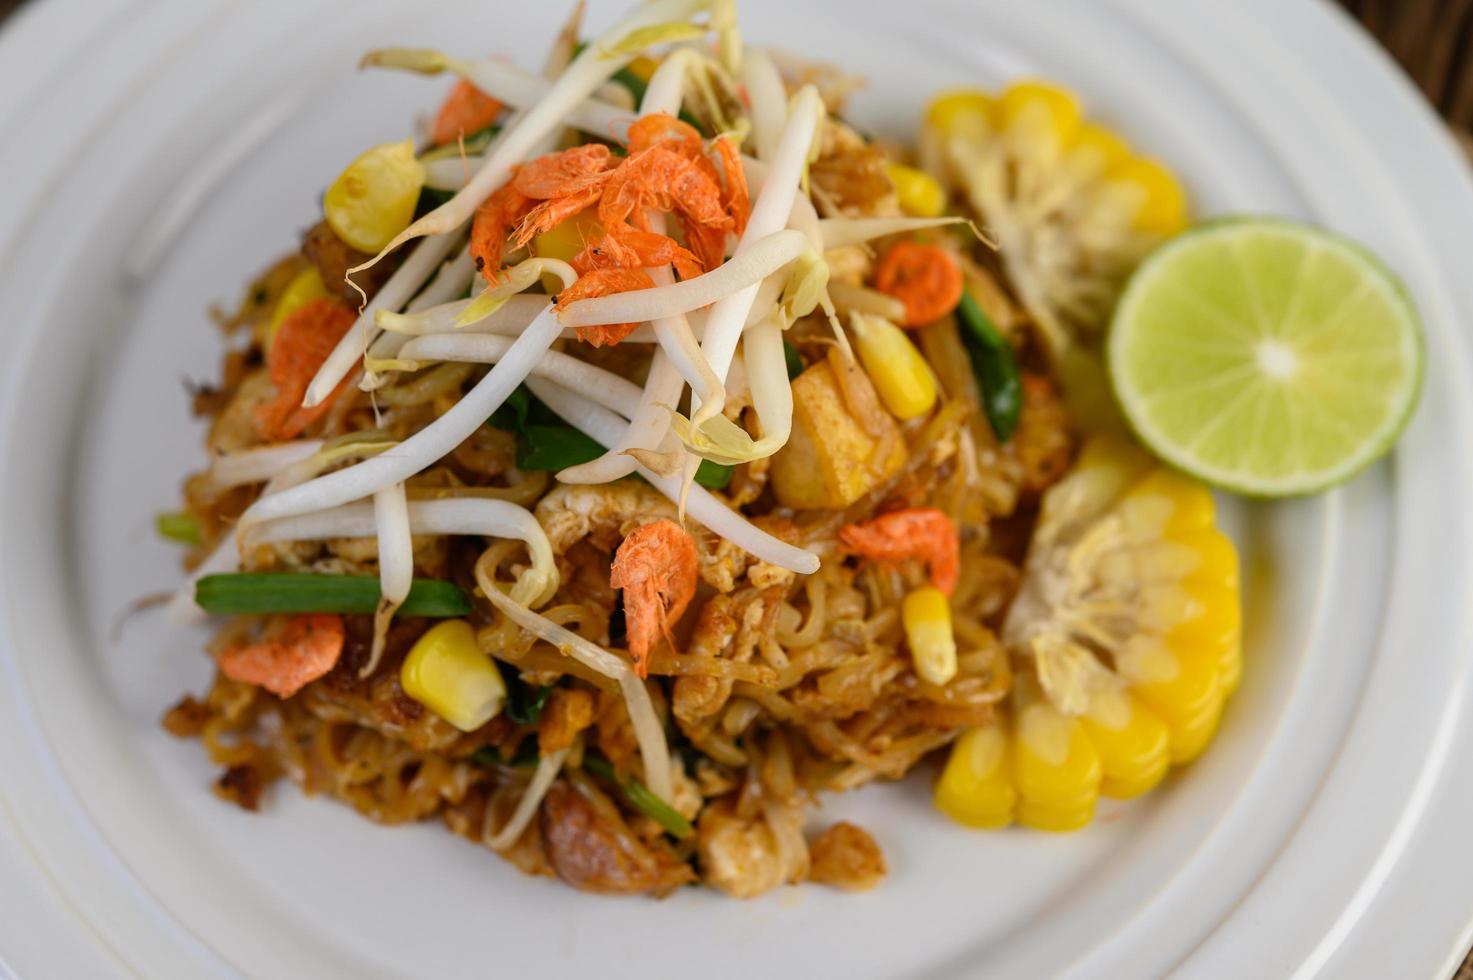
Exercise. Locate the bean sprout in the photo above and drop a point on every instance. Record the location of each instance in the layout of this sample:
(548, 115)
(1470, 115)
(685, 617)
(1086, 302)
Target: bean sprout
(604, 427)
(424, 447)
(447, 515)
(395, 564)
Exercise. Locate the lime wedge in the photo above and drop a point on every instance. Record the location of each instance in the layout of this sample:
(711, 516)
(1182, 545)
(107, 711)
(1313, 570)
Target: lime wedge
(1265, 356)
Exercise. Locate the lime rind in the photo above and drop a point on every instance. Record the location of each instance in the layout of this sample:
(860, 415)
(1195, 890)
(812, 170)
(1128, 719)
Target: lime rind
(1187, 395)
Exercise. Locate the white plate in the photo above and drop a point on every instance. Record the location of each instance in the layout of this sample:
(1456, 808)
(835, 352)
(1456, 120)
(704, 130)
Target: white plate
(155, 156)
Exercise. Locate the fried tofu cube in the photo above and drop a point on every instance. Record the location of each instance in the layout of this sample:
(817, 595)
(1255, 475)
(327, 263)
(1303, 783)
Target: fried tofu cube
(830, 460)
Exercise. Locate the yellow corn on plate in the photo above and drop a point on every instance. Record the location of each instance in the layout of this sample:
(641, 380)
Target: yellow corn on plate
(1045, 116)
(374, 198)
(918, 192)
(926, 616)
(1095, 150)
(1165, 503)
(1056, 769)
(976, 787)
(1162, 208)
(1216, 559)
(1145, 541)
(959, 110)
(1133, 742)
(1211, 616)
(1181, 684)
(900, 374)
(446, 672)
(304, 287)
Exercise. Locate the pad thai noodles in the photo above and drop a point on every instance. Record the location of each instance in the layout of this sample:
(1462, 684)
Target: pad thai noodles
(642, 451)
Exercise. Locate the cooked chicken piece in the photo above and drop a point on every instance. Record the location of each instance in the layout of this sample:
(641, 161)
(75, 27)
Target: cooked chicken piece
(748, 857)
(847, 857)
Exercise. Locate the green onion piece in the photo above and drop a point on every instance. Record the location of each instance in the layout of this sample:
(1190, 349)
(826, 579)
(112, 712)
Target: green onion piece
(794, 362)
(639, 797)
(632, 82)
(429, 199)
(545, 442)
(475, 144)
(524, 703)
(995, 367)
(552, 447)
(515, 411)
(298, 592)
(179, 526)
(715, 476)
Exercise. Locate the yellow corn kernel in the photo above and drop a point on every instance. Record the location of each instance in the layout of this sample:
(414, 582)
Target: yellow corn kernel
(976, 787)
(1216, 558)
(918, 192)
(1165, 503)
(961, 109)
(1056, 769)
(1163, 203)
(304, 287)
(900, 374)
(1210, 615)
(564, 241)
(1178, 682)
(1095, 150)
(1133, 743)
(1216, 628)
(1230, 665)
(643, 68)
(926, 615)
(446, 672)
(374, 198)
(1037, 110)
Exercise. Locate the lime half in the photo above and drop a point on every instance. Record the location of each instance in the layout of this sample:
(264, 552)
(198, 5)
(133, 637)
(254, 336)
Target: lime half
(1266, 356)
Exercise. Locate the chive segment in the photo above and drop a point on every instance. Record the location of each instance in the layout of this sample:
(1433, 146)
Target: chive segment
(792, 359)
(178, 526)
(635, 793)
(995, 367)
(639, 797)
(524, 703)
(300, 592)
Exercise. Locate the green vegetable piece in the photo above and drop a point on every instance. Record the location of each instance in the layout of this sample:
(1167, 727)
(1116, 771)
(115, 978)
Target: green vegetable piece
(995, 367)
(515, 411)
(475, 144)
(179, 526)
(632, 82)
(546, 442)
(298, 592)
(524, 703)
(794, 362)
(714, 476)
(639, 796)
(429, 199)
(552, 447)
